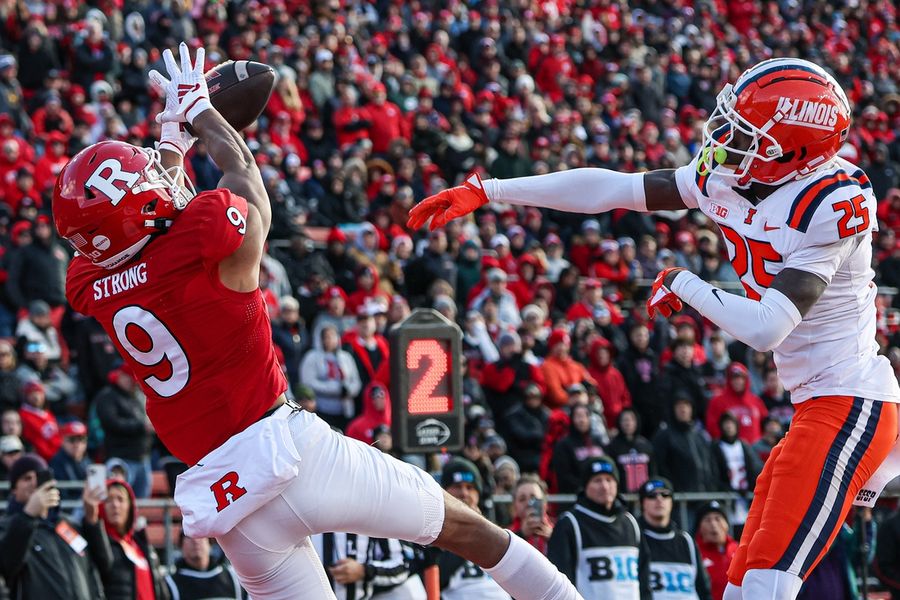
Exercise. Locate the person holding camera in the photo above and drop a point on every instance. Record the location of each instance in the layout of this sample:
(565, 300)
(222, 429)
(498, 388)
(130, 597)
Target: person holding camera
(127, 562)
(676, 568)
(531, 522)
(41, 555)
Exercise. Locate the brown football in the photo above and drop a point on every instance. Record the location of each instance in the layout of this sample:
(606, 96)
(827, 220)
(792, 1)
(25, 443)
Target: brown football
(240, 90)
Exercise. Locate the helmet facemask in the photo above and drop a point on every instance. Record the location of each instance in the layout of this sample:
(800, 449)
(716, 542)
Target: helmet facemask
(158, 177)
(728, 136)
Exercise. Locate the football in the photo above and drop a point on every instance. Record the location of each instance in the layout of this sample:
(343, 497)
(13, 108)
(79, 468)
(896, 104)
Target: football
(240, 90)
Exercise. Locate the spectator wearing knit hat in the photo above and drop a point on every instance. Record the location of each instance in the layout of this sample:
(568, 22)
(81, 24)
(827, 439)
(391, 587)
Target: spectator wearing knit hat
(561, 371)
(460, 578)
(39, 426)
(35, 560)
(37, 271)
(598, 545)
(332, 375)
(675, 561)
(717, 547)
(505, 380)
(70, 462)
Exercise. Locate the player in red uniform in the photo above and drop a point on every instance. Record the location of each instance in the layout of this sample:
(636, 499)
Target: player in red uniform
(173, 278)
(798, 223)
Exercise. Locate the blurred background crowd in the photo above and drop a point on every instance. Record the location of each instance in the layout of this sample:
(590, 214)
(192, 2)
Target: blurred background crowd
(382, 103)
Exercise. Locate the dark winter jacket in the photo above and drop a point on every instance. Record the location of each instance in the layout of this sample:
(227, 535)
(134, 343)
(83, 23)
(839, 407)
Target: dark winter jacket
(123, 418)
(37, 563)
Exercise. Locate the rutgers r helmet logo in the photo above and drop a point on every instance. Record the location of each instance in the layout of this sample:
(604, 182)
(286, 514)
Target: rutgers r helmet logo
(226, 490)
(104, 179)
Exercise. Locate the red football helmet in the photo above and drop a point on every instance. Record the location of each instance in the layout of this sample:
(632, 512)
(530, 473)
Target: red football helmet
(785, 117)
(112, 197)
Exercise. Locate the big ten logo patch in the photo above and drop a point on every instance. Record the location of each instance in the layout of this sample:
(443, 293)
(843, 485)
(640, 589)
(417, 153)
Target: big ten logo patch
(226, 490)
(618, 567)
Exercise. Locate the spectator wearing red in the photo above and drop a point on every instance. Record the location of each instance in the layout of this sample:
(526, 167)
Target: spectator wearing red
(584, 253)
(500, 245)
(561, 370)
(51, 163)
(717, 547)
(686, 328)
(351, 123)
(594, 306)
(283, 136)
(737, 399)
(11, 160)
(505, 381)
(376, 411)
(7, 132)
(388, 123)
(286, 98)
(610, 383)
(522, 285)
(555, 69)
(39, 426)
(52, 117)
(368, 289)
(368, 348)
(23, 187)
(611, 268)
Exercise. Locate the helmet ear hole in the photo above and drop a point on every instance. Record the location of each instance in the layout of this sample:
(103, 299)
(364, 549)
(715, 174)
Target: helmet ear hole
(149, 207)
(786, 157)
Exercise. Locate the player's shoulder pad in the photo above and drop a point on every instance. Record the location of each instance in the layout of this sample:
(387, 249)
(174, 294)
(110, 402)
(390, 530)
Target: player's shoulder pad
(834, 205)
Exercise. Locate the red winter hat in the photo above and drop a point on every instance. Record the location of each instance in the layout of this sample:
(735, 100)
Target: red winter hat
(333, 292)
(72, 429)
(557, 337)
(336, 235)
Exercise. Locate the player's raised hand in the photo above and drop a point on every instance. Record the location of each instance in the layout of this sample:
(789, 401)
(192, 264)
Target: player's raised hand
(449, 204)
(186, 92)
(662, 299)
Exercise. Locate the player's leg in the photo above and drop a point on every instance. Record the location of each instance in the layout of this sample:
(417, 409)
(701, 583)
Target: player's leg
(834, 445)
(739, 562)
(269, 561)
(345, 485)
(514, 564)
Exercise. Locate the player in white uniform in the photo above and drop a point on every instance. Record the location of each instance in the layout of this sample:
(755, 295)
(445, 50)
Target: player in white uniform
(798, 223)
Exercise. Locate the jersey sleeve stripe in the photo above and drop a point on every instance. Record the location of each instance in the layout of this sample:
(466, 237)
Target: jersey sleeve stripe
(701, 181)
(808, 200)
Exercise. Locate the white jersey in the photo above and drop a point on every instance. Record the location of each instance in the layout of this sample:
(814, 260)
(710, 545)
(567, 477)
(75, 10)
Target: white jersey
(822, 224)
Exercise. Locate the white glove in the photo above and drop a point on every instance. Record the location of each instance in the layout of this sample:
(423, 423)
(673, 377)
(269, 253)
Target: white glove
(175, 138)
(186, 88)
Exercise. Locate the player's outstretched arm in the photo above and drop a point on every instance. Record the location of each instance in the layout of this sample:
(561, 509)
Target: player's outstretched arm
(586, 190)
(186, 89)
(762, 324)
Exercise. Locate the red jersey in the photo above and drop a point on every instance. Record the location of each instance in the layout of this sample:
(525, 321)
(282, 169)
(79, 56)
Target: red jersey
(202, 353)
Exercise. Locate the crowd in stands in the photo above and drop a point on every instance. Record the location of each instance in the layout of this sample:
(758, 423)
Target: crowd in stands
(380, 104)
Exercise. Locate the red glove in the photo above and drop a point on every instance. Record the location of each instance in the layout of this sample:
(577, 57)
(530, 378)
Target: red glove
(449, 204)
(661, 298)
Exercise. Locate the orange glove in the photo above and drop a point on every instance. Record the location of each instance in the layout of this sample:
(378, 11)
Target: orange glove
(449, 204)
(661, 298)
